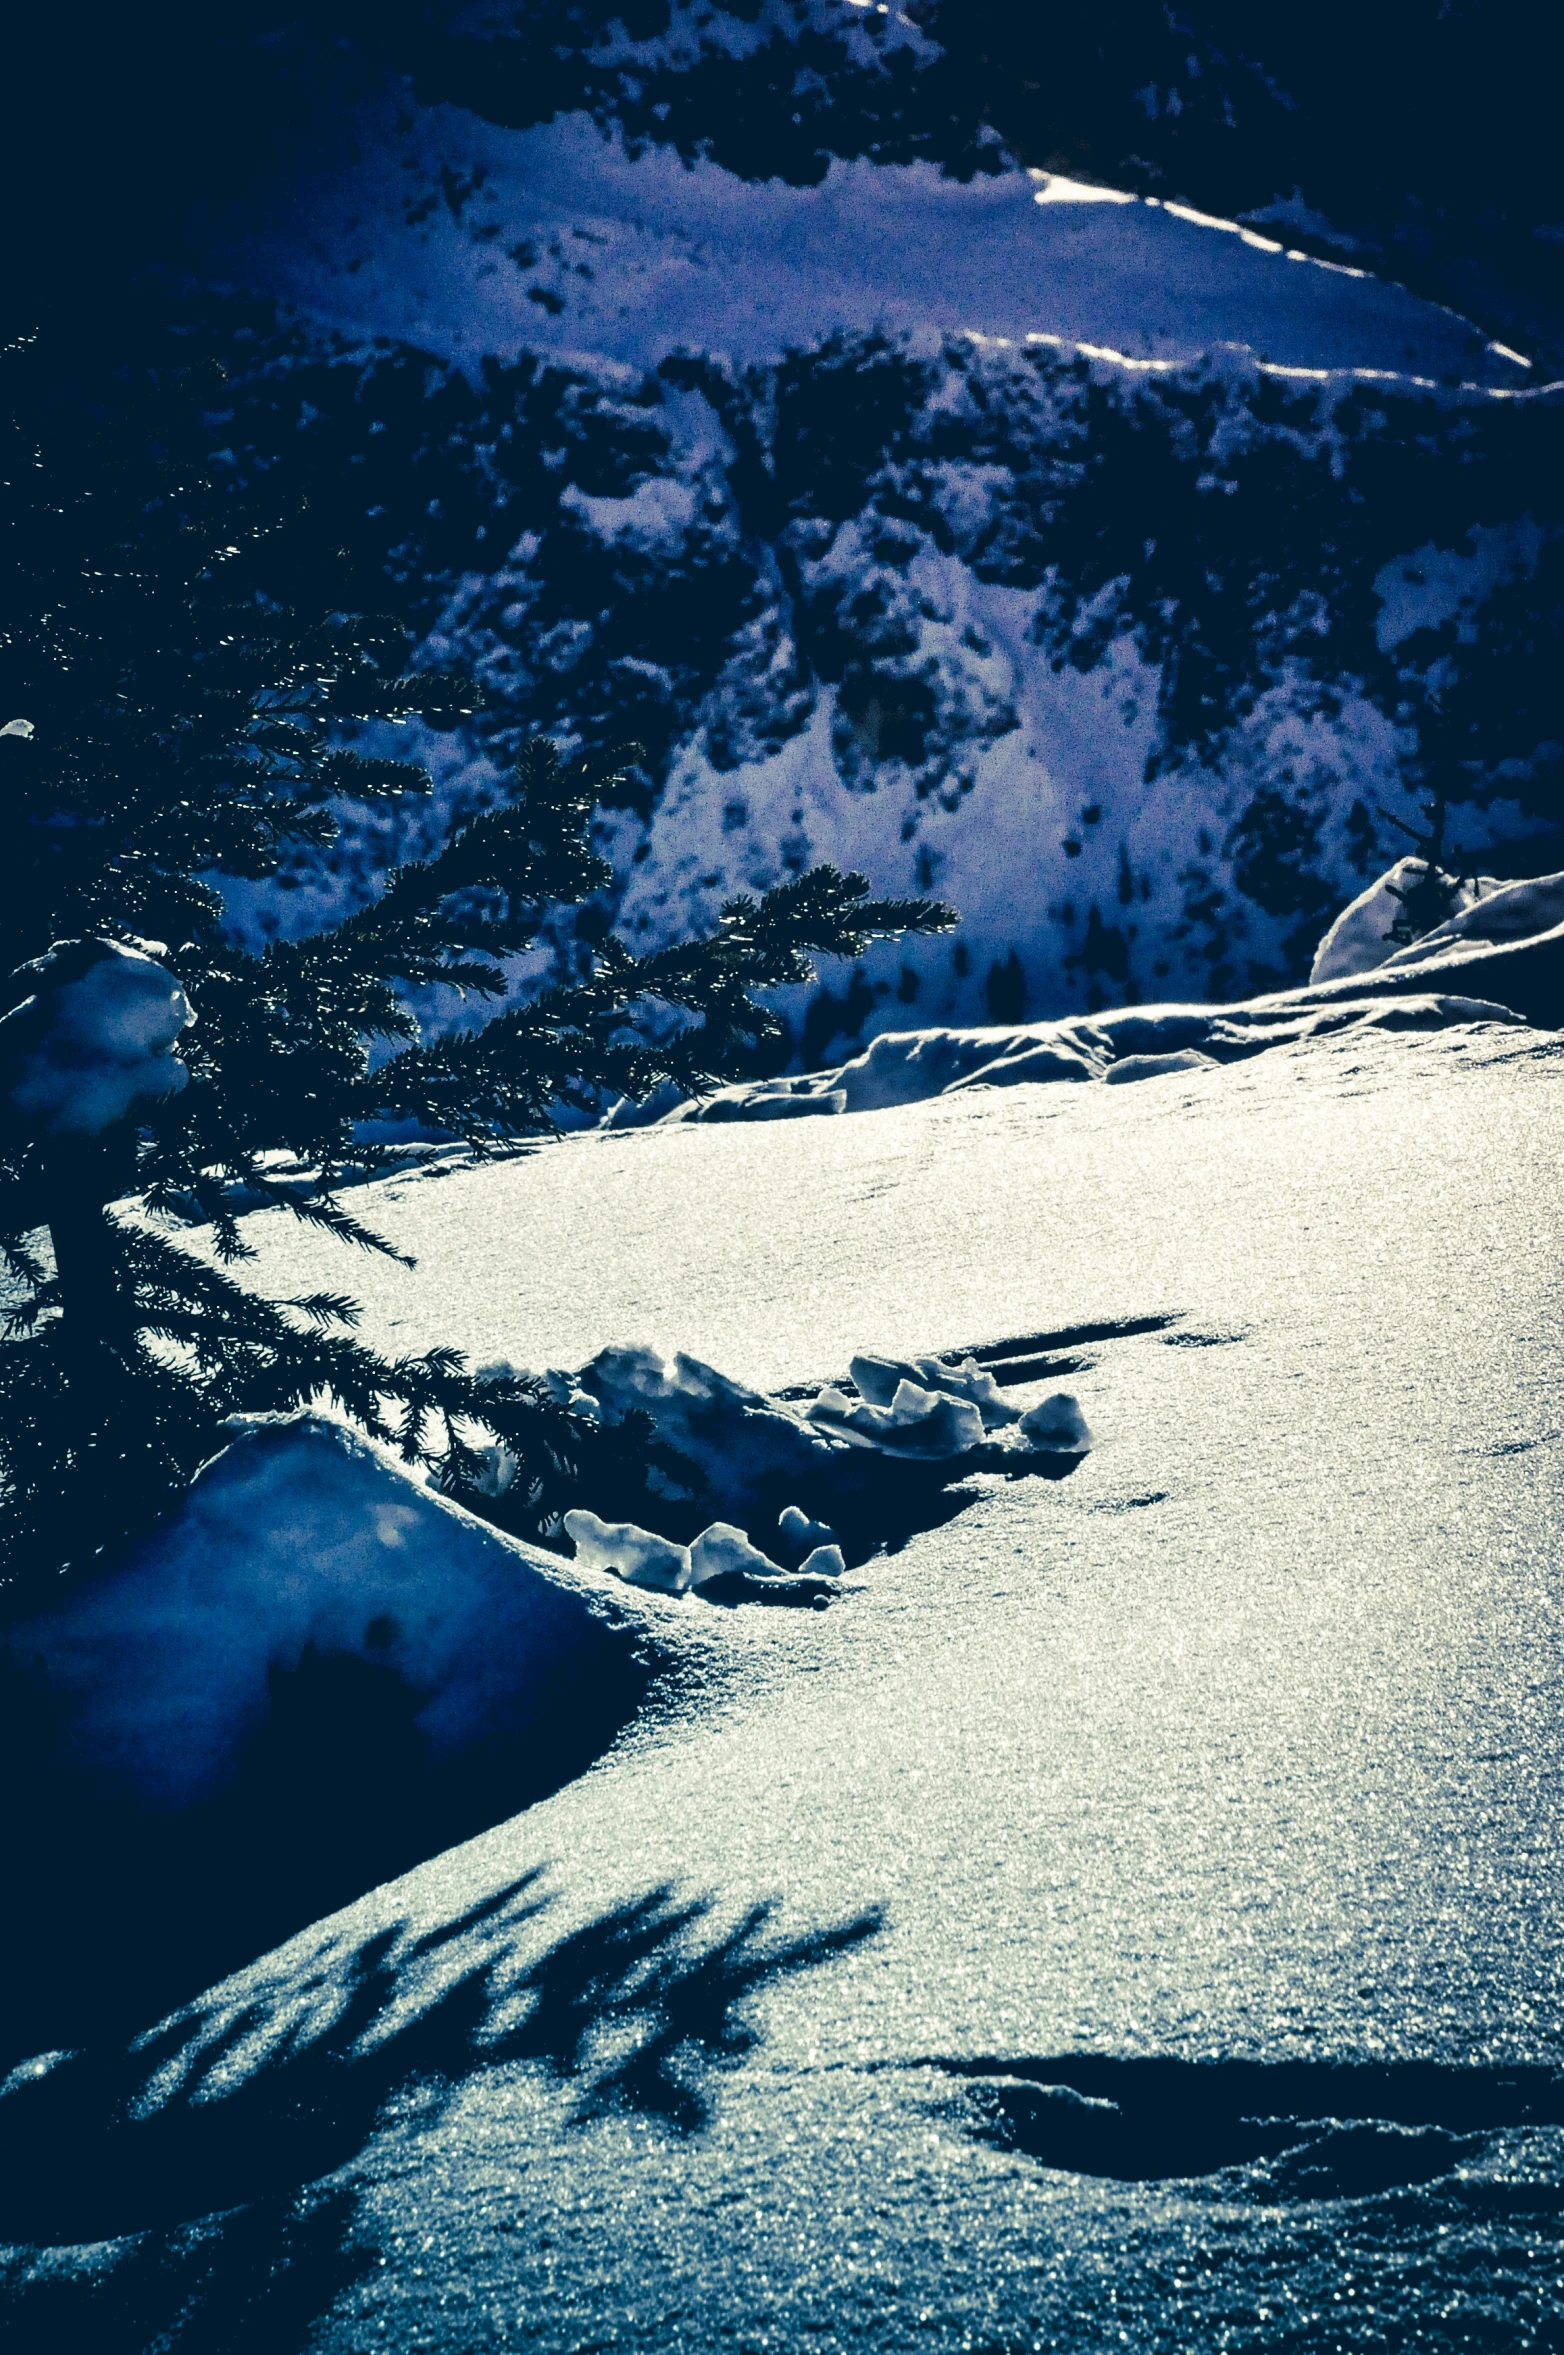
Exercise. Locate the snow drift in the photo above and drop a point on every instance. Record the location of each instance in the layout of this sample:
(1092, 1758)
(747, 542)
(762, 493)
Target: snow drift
(1152, 1042)
(312, 1674)
(303, 1539)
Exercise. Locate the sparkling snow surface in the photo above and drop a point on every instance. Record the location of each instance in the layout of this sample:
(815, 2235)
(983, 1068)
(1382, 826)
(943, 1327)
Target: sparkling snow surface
(1239, 1746)
(469, 239)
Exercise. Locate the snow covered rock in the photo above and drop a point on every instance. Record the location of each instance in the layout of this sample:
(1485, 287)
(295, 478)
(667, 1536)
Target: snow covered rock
(302, 1541)
(638, 1556)
(1495, 913)
(96, 1037)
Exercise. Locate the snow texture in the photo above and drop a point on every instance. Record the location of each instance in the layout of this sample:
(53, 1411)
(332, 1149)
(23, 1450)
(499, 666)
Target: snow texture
(301, 1538)
(96, 1037)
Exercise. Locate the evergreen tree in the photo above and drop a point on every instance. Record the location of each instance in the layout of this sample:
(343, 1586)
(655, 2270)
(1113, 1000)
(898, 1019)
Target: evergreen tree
(175, 723)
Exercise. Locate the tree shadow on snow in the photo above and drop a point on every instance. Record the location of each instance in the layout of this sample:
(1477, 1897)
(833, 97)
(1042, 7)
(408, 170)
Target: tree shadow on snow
(277, 2082)
(335, 1794)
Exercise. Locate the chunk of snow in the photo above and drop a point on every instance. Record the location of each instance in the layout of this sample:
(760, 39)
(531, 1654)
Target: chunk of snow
(1360, 939)
(826, 1561)
(746, 1445)
(800, 1533)
(638, 1556)
(877, 1379)
(96, 1038)
(22, 728)
(1058, 1425)
(300, 1538)
(723, 1548)
(917, 1421)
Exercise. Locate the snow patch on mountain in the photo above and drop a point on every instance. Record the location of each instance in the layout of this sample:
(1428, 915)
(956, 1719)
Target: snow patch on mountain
(469, 239)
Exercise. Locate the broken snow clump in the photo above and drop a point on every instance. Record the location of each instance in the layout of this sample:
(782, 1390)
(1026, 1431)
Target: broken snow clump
(95, 1038)
(917, 1420)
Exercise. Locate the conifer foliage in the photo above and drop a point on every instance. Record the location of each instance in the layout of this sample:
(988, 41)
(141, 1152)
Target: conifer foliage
(176, 723)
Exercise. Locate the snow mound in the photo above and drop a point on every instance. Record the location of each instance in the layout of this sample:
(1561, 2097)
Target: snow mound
(911, 1424)
(303, 1539)
(96, 1037)
(1139, 1043)
(1495, 913)
(1361, 940)
(752, 1452)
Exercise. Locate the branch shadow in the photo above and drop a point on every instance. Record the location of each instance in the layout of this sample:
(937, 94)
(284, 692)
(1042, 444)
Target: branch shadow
(254, 2093)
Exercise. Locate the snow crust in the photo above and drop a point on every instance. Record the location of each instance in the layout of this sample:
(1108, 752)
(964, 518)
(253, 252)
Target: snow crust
(96, 1037)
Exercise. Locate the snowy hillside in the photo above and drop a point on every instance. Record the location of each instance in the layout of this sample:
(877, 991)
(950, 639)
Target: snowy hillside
(467, 240)
(1122, 1919)
(1124, 662)
(1102, 565)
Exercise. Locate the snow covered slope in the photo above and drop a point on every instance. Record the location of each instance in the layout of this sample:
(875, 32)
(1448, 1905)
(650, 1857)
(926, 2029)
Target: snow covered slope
(1118, 661)
(922, 1981)
(468, 240)
(1091, 562)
